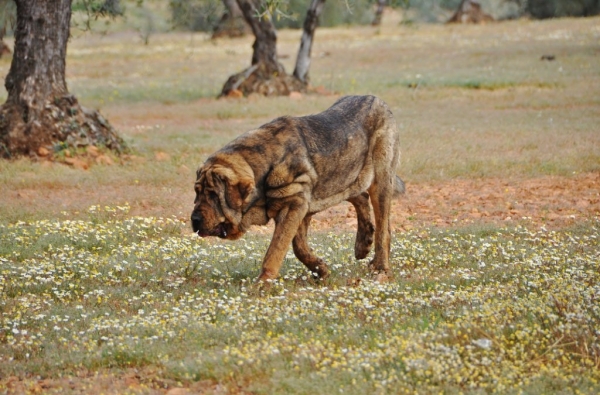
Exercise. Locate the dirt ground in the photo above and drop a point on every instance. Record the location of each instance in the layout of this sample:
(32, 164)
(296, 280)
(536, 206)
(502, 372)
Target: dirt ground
(548, 201)
(551, 201)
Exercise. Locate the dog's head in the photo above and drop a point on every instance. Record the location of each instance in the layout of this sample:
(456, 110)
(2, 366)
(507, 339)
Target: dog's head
(221, 195)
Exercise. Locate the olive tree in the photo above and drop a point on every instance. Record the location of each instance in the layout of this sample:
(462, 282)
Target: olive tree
(39, 113)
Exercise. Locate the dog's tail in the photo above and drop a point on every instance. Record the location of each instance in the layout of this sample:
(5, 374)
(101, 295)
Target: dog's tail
(399, 187)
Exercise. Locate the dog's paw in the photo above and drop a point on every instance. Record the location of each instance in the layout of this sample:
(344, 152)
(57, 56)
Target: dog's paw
(364, 241)
(382, 277)
(322, 271)
(263, 287)
(361, 250)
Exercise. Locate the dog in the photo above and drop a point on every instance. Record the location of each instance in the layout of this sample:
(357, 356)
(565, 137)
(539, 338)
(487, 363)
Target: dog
(293, 167)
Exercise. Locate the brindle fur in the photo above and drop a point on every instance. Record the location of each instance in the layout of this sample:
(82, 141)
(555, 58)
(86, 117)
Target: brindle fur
(293, 167)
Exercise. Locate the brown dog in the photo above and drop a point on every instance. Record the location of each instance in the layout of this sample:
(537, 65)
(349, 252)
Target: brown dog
(294, 167)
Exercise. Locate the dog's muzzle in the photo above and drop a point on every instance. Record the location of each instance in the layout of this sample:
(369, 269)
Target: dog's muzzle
(197, 225)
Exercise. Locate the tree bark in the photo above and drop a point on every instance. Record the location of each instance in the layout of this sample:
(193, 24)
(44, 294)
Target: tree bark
(379, 12)
(310, 24)
(233, 8)
(265, 45)
(38, 67)
(232, 23)
(39, 111)
(266, 75)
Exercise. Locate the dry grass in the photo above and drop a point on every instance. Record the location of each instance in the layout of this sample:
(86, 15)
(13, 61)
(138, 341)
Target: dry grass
(471, 101)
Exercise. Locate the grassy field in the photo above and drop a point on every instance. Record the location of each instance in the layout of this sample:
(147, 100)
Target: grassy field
(104, 289)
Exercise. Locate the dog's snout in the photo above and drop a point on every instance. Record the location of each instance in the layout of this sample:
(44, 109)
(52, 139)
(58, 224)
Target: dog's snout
(196, 222)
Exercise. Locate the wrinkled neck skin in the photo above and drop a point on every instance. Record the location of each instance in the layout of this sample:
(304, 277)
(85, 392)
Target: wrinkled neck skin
(256, 215)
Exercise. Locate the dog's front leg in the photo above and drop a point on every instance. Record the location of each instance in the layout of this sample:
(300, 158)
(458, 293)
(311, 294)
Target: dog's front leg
(288, 216)
(304, 253)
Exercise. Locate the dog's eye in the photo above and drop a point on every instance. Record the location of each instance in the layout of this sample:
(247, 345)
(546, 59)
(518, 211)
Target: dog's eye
(213, 195)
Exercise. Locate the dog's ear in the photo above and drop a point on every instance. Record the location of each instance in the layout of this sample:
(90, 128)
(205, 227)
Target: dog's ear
(240, 189)
(225, 185)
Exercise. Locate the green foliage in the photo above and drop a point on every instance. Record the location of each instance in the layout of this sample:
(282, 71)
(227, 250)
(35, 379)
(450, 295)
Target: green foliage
(335, 13)
(276, 10)
(430, 10)
(91, 10)
(196, 15)
(98, 8)
(561, 8)
(146, 17)
(8, 15)
(440, 10)
(202, 15)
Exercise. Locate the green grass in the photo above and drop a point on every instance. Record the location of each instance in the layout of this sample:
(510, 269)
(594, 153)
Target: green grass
(470, 310)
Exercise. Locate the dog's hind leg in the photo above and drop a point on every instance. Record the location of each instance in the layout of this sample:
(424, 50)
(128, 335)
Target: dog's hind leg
(386, 153)
(381, 200)
(304, 253)
(364, 233)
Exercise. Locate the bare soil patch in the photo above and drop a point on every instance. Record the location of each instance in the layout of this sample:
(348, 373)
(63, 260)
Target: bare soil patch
(130, 381)
(553, 201)
(545, 201)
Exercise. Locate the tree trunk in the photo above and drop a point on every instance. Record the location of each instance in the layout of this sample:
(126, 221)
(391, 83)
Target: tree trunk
(310, 24)
(379, 12)
(232, 23)
(265, 75)
(265, 44)
(39, 111)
